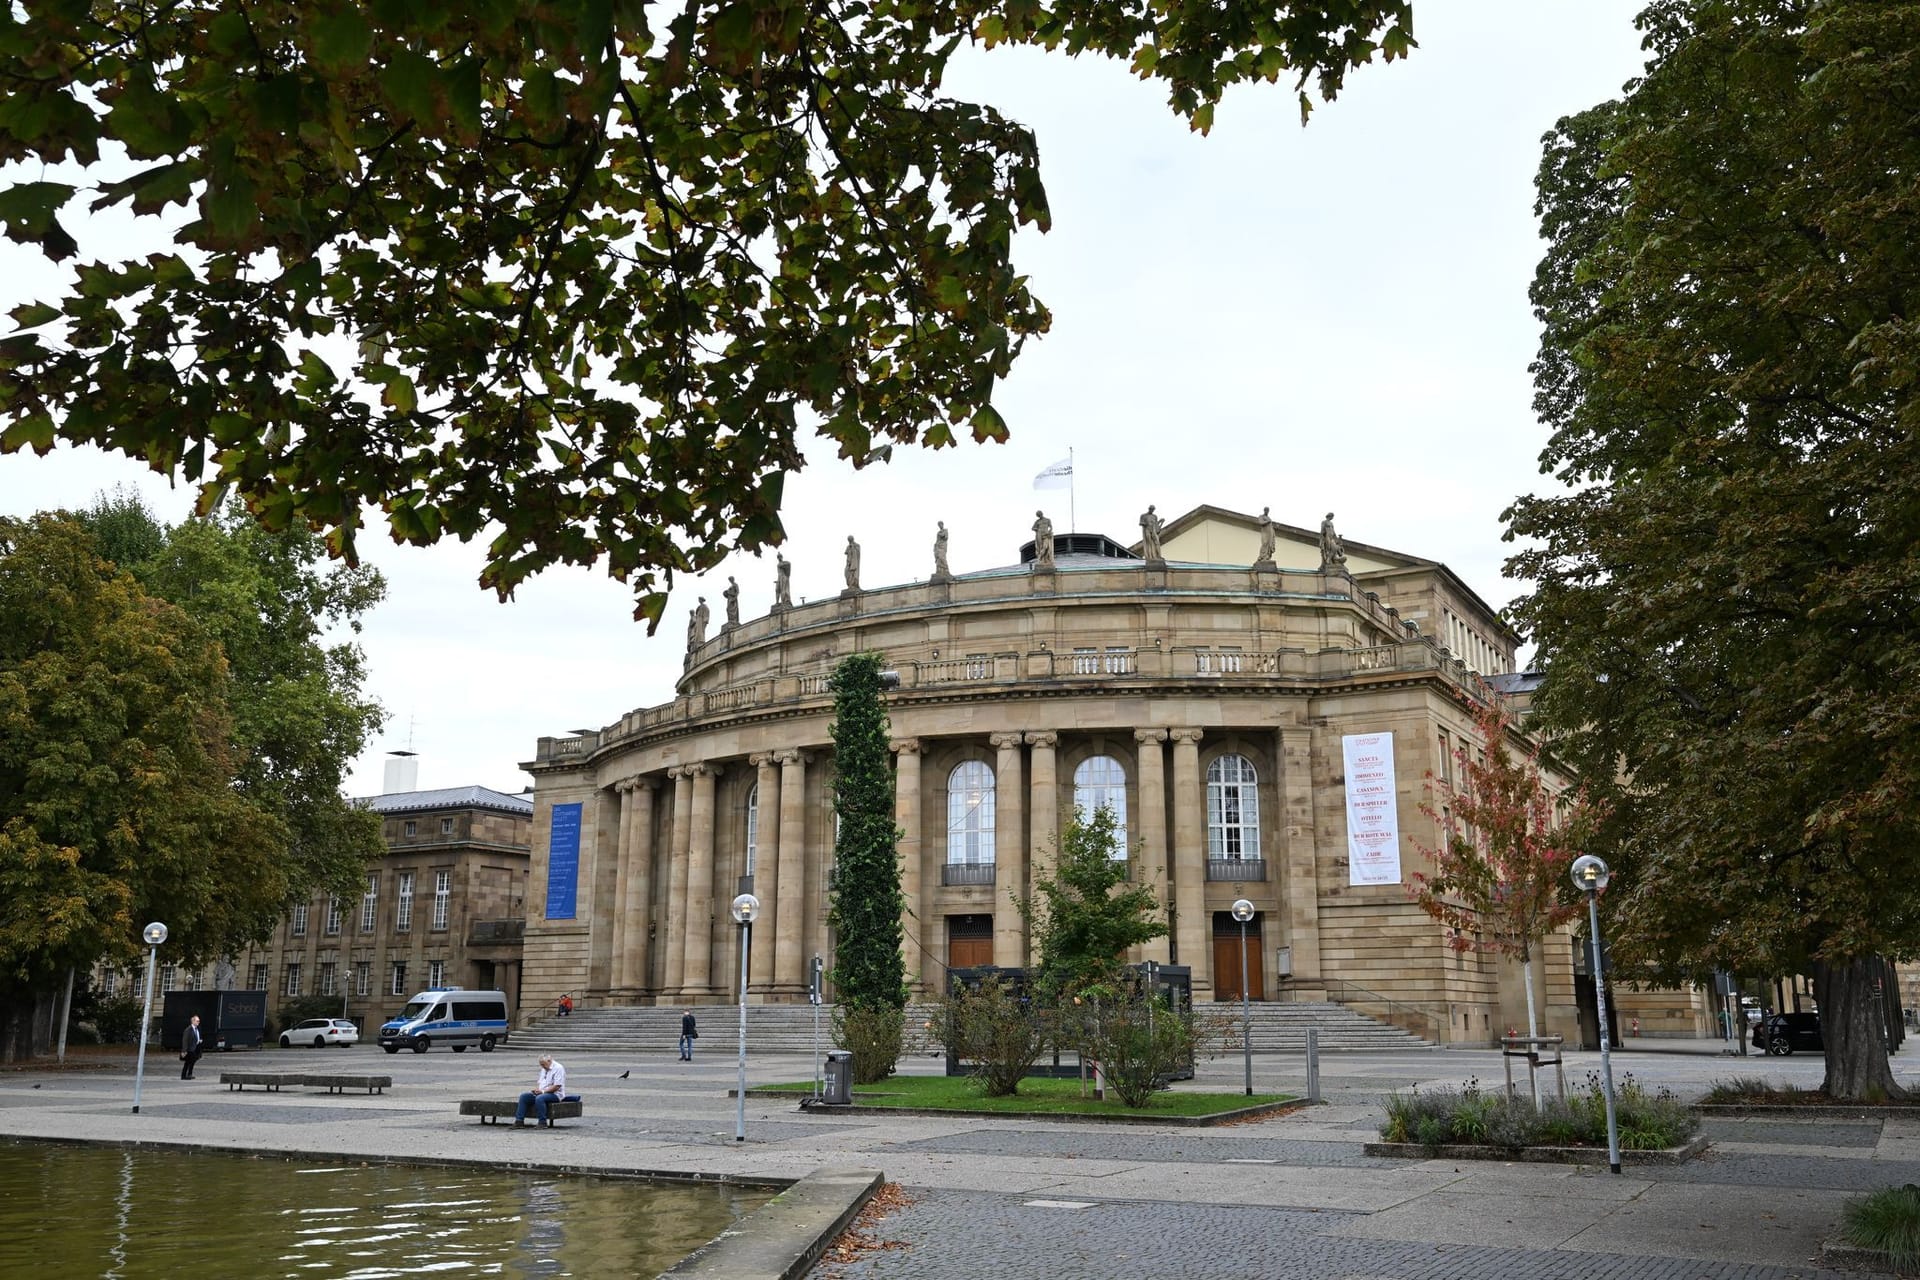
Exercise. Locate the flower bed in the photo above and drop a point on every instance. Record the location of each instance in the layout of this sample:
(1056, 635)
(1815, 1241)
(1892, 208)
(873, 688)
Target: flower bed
(1471, 1117)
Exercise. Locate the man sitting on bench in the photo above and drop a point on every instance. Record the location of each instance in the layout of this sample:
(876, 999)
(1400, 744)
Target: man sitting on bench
(551, 1088)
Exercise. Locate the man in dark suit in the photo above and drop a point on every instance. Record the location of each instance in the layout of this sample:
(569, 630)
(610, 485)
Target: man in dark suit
(190, 1044)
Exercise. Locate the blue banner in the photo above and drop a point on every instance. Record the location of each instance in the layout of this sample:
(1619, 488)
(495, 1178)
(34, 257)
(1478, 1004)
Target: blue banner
(563, 861)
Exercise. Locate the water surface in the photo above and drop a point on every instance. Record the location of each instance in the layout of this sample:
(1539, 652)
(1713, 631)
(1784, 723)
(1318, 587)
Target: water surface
(104, 1212)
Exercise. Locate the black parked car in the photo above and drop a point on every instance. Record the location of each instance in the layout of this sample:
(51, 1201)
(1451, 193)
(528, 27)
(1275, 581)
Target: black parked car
(1786, 1033)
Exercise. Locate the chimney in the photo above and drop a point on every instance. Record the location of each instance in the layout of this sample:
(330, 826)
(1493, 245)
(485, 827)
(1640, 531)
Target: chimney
(403, 773)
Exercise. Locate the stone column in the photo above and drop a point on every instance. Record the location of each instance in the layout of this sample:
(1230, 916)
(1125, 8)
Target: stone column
(1043, 797)
(698, 965)
(1010, 855)
(673, 938)
(906, 816)
(616, 924)
(1150, 828)
(636, 882)
(1300, 859)
(766, 871)
(1194, 928)
(790, 909)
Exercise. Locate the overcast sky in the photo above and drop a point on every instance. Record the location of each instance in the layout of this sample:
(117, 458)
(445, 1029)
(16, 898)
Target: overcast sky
(1324, 318)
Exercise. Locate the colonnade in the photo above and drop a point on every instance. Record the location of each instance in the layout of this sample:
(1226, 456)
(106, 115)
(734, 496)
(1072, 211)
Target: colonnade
(670, 952)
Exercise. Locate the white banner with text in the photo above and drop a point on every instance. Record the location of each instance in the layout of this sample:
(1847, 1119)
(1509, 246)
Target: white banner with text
(1373, 812)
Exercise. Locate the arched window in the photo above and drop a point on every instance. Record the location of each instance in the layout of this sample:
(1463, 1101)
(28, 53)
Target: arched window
(1101, 781)
(970, 814)
(1233, 809)
(753, 826)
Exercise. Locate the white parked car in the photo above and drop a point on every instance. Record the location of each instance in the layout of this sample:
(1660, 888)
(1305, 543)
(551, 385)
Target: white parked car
(320, 1032)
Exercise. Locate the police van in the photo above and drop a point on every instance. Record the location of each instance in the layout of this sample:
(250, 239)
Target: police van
(452, 1018)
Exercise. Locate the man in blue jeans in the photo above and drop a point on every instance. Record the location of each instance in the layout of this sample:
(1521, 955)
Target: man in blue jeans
(687, 1036)
(550, 1088)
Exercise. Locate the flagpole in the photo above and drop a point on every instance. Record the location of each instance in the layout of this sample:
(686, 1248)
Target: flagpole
(1073, 518)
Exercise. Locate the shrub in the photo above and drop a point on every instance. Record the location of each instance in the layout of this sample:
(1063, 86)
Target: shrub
(117, 1019)
(873, 1035)
(1137, 1040)
(1000, 1033)
(1888, 1220)
(1647, 1122)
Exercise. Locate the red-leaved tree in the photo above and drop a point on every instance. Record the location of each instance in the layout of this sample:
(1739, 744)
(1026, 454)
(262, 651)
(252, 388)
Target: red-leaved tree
(1499, 879)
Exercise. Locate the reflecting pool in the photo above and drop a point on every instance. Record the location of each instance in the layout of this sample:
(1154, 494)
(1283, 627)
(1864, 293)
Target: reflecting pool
(103, 1212)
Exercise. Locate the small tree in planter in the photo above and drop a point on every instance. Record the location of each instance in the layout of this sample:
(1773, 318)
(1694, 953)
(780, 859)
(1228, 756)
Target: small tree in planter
(998, 1030)
(1087, 915)
(1499, 877)
(868, 972)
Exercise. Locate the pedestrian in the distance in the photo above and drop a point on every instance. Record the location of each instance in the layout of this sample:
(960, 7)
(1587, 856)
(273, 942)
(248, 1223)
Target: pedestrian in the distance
(566, 1006)
(190, 1043)
(688, 1034)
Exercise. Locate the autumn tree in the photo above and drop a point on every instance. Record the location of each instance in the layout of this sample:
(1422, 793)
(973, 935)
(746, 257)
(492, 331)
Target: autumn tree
(1500, 871)
(869, 974)
(116, 769)
(574, 279)
(1725, 587)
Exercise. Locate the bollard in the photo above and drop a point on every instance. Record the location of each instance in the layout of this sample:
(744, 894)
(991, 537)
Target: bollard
(1313, 1064)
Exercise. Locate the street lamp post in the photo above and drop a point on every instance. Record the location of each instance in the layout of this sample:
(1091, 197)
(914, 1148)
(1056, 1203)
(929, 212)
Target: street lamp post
(1590, 874)
(153, 935)
(745, 908)
(1243, 912)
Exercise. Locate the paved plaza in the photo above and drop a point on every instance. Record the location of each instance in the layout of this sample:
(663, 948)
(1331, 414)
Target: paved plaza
(1286, 1196)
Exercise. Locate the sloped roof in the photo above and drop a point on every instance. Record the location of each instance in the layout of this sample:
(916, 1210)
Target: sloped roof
(449, 798)
(1207, 511)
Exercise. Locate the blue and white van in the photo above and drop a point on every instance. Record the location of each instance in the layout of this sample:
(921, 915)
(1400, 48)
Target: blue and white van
(453, 1018)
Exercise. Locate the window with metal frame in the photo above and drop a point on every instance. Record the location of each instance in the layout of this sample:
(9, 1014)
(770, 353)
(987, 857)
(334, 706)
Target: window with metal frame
(1233, 808)
(1100, 780)
(970, 813)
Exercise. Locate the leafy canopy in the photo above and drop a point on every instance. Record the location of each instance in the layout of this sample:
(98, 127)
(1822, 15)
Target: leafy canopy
(1085, 916)
(1725, 580)
(573, 278)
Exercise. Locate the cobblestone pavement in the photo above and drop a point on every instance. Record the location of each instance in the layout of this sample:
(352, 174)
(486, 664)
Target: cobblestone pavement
(960, 1233)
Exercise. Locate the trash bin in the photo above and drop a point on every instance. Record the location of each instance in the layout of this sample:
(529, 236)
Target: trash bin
(839, 1085)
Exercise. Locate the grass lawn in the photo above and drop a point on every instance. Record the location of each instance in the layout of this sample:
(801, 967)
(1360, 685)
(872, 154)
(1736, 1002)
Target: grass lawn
(1037, 1095)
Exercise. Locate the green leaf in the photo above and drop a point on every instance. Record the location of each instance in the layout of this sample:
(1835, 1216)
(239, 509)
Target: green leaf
(410, 81)
(399, 393)
(34, 314)
(34, 431)
(989, 425)
(342, 40)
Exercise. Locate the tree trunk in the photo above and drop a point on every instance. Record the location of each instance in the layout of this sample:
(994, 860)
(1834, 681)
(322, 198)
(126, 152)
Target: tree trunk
(1533, 1023)
(26, 1024)
(1853, 1028)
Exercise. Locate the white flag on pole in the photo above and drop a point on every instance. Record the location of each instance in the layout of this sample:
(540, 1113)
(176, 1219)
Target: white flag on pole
(1057, 476)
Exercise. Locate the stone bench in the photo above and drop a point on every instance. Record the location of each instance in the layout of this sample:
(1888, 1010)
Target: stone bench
(331, 1081)
(493, 1110)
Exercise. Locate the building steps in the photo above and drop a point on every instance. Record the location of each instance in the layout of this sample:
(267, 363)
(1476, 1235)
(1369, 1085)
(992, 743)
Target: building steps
(786, 1028)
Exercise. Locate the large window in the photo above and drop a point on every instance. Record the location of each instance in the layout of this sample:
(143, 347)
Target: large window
(293, 980)
(442, 893)
(403, 914)
(299, 920)
(333, 918)
(1101, 781)
(436, 974)
(1233, 809)
(362, 977)
(327, 968)
(970, 814)
(398, 985)
(168, 973)
(369, 904)
(258, 977)
(753, 828)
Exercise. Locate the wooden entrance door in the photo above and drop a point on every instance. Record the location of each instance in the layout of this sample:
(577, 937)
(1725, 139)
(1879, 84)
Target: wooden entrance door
(1226, 962)
(969, 941)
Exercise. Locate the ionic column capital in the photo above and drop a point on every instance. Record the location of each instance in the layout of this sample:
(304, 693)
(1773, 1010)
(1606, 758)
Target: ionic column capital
(1149, 735)
(793, 756)
(1006, 741)
(1185, 735)
(762, 760)
(701, 770)
(1043, 738)
(906, 746)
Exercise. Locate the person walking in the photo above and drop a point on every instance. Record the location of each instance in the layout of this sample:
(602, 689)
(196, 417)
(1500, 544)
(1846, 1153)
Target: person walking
(688, 1034)
(190, 1045)
(548, 1089)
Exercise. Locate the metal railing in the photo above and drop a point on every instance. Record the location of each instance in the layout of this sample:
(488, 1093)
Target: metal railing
(966, 873)
(1236, 868)
(1424, 1020)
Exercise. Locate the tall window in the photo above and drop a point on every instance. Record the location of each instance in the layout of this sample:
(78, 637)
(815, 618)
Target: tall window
(436, 974)
(442, 891)
(1101, 781)
(403, 916)
(753, 827)
(299, 919)
(259, 979)
(293, 980)
(398, 986)
(362, 977)
(167, 974)
(369, 905)
(110, 982)
(1233, 809)
(970, 813)
(333, 918)
(326, 977)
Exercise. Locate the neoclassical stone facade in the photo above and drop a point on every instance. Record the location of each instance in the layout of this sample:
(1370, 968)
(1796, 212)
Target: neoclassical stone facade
(1203, 695)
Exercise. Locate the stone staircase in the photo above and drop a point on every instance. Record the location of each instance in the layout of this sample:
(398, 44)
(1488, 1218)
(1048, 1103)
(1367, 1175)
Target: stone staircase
(654, 1031)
